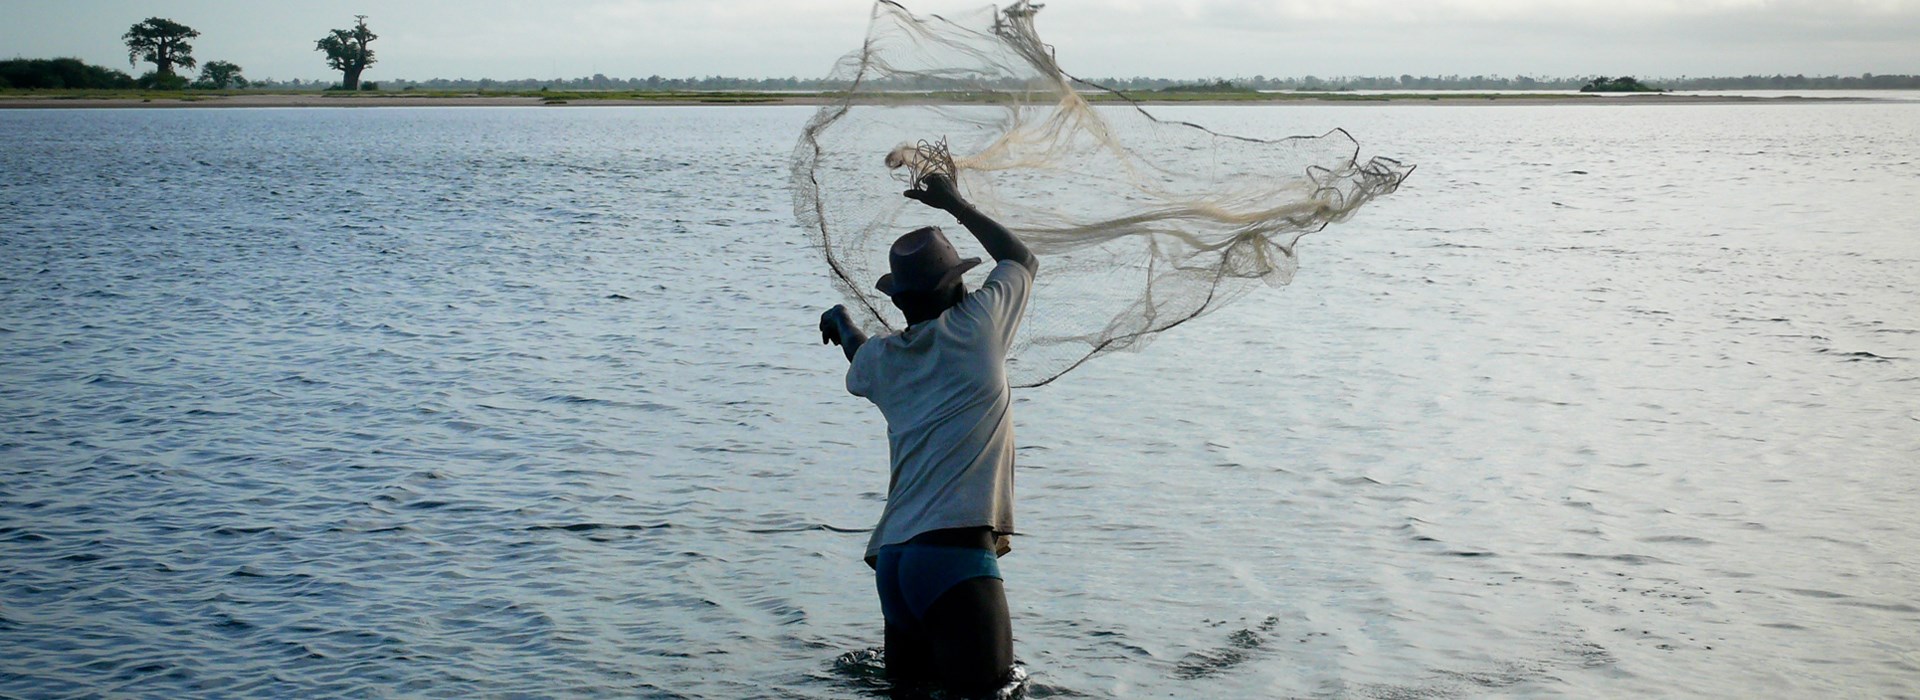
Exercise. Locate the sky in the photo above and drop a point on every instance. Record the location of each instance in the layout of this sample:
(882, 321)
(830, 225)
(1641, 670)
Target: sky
(1186, 39)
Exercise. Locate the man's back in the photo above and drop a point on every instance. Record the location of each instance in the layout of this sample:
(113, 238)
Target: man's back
(942, 386)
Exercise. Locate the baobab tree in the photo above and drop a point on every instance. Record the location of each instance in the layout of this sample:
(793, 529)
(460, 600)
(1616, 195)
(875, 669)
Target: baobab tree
(162, 42)
(347, 51)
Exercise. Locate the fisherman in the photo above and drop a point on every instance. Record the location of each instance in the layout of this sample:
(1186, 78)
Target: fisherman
(942, 385)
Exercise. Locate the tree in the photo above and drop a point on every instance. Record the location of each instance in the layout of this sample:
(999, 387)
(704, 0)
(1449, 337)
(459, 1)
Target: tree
(347, 51)
(220, 75)
(162, 42)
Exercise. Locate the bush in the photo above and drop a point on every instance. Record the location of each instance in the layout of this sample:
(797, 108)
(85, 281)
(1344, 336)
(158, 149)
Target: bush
(1203, 86)
(220, 75)
(1620, 84)
(60, 74)
(153, 80)
(369, 86)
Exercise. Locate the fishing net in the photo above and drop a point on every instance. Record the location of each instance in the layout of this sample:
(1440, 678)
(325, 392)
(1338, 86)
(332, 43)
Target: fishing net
(1140, 224)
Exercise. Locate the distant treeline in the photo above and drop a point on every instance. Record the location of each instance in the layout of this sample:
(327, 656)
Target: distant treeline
(1496, 82)
(597, 82)
(69, 73)
(1258, 82)
(1866, 81)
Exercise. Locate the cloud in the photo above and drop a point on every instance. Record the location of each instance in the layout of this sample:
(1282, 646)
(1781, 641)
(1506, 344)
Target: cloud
(1556, 37)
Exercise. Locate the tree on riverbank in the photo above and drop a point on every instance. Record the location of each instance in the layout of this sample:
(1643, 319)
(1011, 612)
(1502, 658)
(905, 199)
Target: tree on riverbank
(347, 52)
(220, 75)
(163, 43)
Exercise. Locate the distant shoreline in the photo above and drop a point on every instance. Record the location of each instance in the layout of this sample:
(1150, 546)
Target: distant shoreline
(228, 100)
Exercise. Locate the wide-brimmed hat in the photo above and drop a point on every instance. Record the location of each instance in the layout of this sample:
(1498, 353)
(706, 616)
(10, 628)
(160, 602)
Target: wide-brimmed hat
(922, 261)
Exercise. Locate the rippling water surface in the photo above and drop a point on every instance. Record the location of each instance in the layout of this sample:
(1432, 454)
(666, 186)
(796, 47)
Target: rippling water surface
(462, 402)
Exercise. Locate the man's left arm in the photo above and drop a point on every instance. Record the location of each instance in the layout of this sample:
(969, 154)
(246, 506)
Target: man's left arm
(938, 191)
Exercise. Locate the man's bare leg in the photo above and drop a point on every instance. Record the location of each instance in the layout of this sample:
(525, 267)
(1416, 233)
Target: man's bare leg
(970, 636)
(909, 657)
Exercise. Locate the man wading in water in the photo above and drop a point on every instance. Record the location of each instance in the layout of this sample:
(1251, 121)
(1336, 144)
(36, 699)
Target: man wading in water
(942, 385)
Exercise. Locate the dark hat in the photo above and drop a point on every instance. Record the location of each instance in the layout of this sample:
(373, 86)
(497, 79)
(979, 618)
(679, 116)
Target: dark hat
(922, 261)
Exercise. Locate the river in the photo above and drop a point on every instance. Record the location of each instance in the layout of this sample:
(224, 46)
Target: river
(503, 402)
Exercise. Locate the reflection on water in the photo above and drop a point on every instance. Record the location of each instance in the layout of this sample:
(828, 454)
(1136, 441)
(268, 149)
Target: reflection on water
(1605, 402)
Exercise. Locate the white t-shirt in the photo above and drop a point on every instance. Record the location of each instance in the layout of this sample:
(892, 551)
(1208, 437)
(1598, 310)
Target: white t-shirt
(942, 385)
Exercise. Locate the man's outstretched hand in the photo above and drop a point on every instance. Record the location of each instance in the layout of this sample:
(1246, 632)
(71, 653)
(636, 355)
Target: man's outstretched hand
(937, 191)
(832, 322)
(837, 327)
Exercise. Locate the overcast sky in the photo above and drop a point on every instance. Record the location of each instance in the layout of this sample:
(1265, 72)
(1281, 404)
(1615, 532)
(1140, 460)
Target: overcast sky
(422, 39)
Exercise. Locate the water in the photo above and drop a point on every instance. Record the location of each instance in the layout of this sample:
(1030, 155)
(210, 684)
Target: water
(1884, 96)
(494, 402)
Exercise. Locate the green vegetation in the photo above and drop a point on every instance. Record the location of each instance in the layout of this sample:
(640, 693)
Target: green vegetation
(156, 80)
(1867, 81)
(1620, 84)
(566, 96)
(161, 42)
(411, 95)
(1296, 96)
(1260, 84)
(135, 94)
(347, 51)
(60, 74)
(220, 75)
(1215, 87)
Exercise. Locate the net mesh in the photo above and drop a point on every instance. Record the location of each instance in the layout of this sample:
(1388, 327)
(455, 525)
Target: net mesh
(1140, 223)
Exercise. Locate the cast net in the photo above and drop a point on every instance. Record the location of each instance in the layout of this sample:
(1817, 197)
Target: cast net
(1140, 224)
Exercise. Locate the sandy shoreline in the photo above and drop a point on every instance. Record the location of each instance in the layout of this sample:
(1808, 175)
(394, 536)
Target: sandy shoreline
(735, 99)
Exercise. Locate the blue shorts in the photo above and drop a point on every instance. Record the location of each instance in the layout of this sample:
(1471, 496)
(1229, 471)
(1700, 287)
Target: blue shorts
(912, 576)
